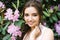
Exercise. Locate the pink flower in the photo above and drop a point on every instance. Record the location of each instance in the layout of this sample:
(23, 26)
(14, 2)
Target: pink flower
(16, 15)
(2, 5)
(59, 7)
(17, 33)
(13, 38)
(52, 7)
(16, 11)
(9, 11)
(10, 16)
(14, 30)
(57, 27)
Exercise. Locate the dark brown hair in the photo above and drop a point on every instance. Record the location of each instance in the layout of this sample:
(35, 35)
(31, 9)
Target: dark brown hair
(38, 6)
(33, 3)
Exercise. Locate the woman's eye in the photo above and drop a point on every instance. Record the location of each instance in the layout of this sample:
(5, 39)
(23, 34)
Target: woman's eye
(26, 15)
(35, 15)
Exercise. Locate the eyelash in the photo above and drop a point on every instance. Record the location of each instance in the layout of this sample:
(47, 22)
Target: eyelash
(35, 15)
(28, 14)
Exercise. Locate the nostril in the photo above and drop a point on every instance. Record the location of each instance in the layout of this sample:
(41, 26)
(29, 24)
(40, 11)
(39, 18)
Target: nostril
(30, 19)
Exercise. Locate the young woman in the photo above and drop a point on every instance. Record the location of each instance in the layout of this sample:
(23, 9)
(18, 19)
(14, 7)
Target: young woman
(32, 14)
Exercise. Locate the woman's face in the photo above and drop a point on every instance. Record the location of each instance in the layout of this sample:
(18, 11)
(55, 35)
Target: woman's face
(31, 16)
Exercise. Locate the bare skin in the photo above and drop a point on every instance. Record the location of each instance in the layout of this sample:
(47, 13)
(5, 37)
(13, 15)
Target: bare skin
(32, 17)
(35, 34)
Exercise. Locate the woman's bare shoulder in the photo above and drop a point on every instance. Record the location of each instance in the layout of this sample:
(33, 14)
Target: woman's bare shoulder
(48, 34)
(48, 30)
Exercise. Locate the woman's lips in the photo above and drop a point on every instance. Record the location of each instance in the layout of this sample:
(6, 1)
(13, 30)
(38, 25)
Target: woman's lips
(30, 23)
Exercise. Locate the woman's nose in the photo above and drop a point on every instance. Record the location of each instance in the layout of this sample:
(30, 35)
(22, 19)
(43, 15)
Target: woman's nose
(30, 18)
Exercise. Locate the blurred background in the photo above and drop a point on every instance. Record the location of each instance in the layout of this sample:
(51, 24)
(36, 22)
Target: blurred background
(51, 15)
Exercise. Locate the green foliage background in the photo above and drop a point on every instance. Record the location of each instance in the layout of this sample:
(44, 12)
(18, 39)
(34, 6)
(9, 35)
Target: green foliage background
(49, 16)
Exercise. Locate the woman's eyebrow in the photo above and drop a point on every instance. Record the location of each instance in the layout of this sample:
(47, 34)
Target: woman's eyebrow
(25, 13)
(34, 13)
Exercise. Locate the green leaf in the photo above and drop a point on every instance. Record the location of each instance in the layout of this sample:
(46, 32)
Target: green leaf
(7, 37)
(43, 6)
(56, 8)
(44, 17)
(19, 23)
(5, 28)
(55, 34)
(54, 17)
(0, 38)
(0, 19)
(17, 4)
(1, 28)
(14, 5)
(47, 0)
(46, 14)
(54, 0)
(2, 10)
(58, 13)
(50, 11)
(50, 19)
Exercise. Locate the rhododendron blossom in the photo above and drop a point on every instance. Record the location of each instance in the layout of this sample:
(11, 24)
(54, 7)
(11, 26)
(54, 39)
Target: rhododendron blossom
(16, 15)
(10, 15)
(2, 5)
(14, 30)
(9, 11)
(57, 27)
(59, 7)
(13, 38)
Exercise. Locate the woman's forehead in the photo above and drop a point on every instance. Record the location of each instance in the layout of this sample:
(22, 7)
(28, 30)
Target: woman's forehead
(30, 10)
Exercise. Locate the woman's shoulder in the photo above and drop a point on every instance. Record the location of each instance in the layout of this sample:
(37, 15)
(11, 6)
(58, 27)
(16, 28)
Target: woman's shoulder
(47, 30)
(48, 33)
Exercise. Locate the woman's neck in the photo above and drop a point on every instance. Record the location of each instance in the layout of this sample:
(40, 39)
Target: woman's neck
(32, 28)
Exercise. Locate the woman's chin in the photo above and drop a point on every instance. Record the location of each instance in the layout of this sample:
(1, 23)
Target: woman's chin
(31, 25)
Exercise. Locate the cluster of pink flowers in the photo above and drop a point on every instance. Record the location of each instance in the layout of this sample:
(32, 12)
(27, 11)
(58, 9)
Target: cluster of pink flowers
(52, 7)
(59, 7)
(10, 15)
(14, 31)
(2, 5)
(57, 27)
